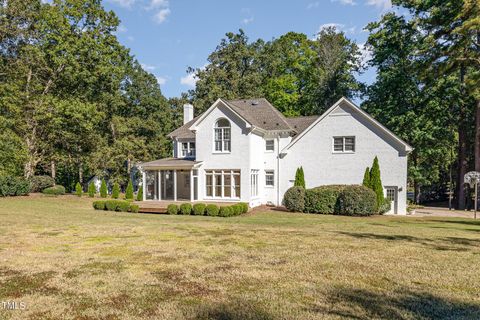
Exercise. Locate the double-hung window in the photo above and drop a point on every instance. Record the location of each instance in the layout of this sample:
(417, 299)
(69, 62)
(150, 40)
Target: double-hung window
(188, 149)
(222, 136)
(269, 145)
(343, 144)
(269, 178)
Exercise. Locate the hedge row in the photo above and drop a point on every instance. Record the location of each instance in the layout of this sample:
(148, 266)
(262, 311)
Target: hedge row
(353, 200)
(13, 186)
(200, 209)
(56, 190)
(115, 205)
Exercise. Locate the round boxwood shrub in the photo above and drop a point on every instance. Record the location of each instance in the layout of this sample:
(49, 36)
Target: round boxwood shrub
(56, 190)
(172, 209)
(323, 199)
(134, 208)
(294, 199)
(123, 206)
(186, 208)
(357, 200)
(38, 183)
(212, 210)
(225, 212)
(237, 209)
(199, 209)
(99, 205)
(244, 207)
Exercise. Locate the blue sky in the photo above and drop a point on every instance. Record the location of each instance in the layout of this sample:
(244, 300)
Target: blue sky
(169, 36)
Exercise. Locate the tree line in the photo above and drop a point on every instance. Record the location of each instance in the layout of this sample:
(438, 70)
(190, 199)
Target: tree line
(75, 102)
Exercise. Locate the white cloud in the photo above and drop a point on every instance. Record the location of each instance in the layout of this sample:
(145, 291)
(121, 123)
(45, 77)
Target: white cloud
(124, 3)
(381, 4)
(155, 4)
(130, 38)
(161, 80)
(312, 5)
(121, 28)
(161, 15)
(147, 67)
(346, 2)
(189, 80)
(339, 27)
(247, 20)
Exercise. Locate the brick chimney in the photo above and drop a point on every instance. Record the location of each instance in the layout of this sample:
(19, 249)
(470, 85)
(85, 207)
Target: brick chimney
(187, 113)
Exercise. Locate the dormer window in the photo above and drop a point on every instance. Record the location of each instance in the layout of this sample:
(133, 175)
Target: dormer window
(222, 136)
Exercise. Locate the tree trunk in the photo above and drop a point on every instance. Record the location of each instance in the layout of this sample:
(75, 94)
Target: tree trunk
(477, 137)
(80, 173)
(129, 165)
(53, 170)
(417, 191)
(462, 166)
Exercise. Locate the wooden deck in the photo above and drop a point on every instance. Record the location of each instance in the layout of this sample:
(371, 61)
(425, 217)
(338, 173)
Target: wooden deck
(153, 206)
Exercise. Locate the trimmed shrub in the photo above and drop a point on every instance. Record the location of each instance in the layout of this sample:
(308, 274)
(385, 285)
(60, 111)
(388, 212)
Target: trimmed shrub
(299, 178)
(323, 199)
(236, 209)
(99, 205)
(56, 190)
(38, 183)
(366, 178)
(385, 206)
(115, 191)
(110, 205)
(92, 190)
(78, 189)
(186, 208)
(376, 182)
(357, 200)
(294, 199)
(244, 207)
(13, 186)
(199, 209)
(129, 191)
(123, 206)
(134, 208)
(172, 209)
(103, 189)
(225, 212)
(212, 210)
(140, 194)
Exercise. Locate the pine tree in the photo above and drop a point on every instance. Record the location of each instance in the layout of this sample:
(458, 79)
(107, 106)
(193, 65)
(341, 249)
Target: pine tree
(129, 191)
(91, 190)
(299, 178)
(78, 189)
(366, 178)
(103, 189)
(140, 194)
(376, 181)
(115, 191)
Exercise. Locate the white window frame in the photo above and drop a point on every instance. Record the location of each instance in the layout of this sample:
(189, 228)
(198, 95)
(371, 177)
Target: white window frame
(223, 142)
(343, 144)
(272, 174)
(190, 151)
(222, 173)
(267, 146)
(254, 183)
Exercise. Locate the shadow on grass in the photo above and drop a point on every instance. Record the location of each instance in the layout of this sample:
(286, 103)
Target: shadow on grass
(238, 310)
(443, 244)
(400, 304)
(464, 222)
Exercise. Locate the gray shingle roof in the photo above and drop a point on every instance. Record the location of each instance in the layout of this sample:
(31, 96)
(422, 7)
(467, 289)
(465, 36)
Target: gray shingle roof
(301, 123)
(170, 162)
(260, 113)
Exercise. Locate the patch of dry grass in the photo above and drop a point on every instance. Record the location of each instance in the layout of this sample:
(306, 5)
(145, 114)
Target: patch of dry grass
(67, 261)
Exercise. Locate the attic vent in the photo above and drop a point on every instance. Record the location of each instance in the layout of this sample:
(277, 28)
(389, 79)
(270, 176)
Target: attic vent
(254, 103)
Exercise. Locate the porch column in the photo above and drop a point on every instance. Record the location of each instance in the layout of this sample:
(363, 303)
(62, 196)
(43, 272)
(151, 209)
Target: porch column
(144, 184)
(174, 185)
(159, 185)
(191, 185)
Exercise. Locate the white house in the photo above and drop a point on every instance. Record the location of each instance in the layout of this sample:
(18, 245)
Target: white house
(246, 150)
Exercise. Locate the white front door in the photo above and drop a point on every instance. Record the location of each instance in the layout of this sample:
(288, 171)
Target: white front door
(392, 195)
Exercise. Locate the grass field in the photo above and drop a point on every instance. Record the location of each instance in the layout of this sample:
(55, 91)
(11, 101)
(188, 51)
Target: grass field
(67, 261)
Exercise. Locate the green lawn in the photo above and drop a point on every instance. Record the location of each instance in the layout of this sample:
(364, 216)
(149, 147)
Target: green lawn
(67, 261)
